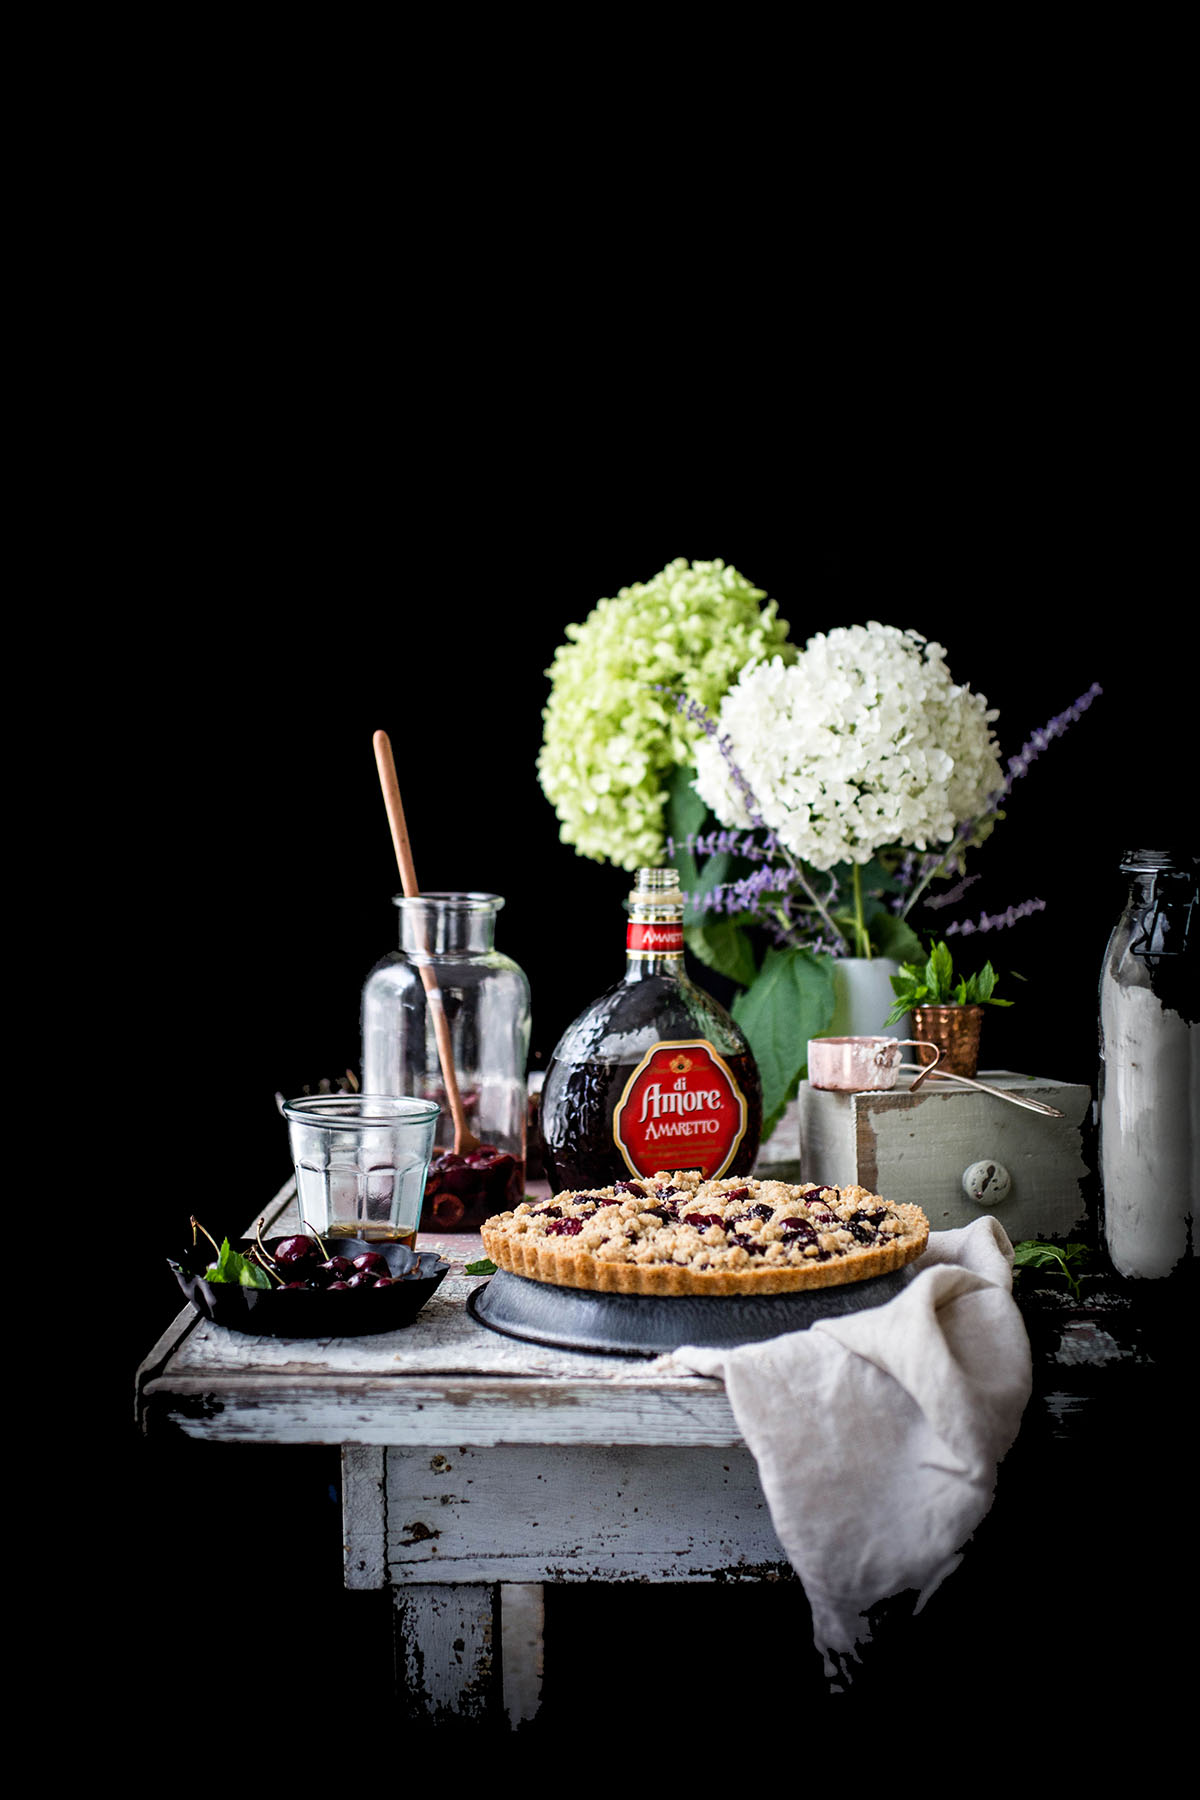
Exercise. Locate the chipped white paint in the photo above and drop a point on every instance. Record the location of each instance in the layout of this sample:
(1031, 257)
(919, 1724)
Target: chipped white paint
(443, 1378)
(446, 1648)
(1087, 1344)
(364, 1526)
(584, 1513)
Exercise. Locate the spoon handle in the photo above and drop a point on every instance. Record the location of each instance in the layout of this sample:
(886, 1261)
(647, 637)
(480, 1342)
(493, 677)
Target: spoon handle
(1037, 1106)
(464, 1138)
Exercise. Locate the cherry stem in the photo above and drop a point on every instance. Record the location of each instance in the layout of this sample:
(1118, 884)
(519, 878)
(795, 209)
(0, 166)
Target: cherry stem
(196, 1226)
(317, 1235)
(269, 1263)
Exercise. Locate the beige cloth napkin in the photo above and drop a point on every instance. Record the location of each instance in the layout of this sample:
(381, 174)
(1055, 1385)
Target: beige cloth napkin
(877, 1434)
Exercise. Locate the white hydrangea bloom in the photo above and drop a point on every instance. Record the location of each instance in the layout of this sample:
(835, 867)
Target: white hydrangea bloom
(863, 743)
(610, 740)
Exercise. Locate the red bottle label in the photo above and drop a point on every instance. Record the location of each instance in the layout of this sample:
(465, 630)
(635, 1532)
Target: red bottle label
(654, 940)
(681, 1109)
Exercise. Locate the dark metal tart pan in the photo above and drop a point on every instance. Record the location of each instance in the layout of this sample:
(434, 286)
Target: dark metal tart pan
(646, 1325)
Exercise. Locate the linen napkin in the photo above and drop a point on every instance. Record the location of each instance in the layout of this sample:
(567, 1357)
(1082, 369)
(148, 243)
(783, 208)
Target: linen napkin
(877, 1434)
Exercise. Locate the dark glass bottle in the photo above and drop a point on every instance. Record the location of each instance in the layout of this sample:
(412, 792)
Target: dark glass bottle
(1150, 1068)
(655, 1075)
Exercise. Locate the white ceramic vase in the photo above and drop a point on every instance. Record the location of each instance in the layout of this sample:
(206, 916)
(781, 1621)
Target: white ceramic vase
(863, 998)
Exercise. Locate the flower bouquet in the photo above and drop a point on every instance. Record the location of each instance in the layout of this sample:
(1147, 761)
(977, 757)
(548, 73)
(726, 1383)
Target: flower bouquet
(809, 799)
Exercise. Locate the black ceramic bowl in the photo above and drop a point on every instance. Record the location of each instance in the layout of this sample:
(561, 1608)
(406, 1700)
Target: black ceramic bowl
(315, 1312)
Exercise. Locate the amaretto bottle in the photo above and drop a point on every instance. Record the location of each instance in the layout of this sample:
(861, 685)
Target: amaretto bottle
(655, 1074)
(1150, 1068)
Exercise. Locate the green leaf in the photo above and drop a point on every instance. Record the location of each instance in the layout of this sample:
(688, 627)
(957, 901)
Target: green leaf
(484, 1266)
(713, 873)
(939, 971)
(893, 937)
(721, 944)
(791, 1000)
(237, 1270)
(685, 813)
(983, 983)
(1064, 1259)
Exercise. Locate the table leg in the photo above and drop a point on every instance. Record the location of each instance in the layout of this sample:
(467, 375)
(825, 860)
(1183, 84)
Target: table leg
(522, 1622)
(445, 1651)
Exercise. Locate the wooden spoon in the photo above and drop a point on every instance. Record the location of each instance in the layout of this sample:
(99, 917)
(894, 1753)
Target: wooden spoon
(464, 1139)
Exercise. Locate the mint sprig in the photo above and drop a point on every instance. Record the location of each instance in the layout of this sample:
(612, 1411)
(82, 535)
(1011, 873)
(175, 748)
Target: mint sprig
(234, 1269)
(935, 985)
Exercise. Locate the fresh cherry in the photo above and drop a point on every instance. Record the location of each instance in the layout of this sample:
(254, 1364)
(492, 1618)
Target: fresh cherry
(371, 1263)
(291, 1252)
(337, 1266)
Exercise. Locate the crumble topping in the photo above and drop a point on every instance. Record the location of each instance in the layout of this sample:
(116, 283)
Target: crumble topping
(741, 1226)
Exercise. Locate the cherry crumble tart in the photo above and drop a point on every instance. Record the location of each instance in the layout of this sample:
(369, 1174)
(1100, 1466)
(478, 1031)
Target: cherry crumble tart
(674, 1233)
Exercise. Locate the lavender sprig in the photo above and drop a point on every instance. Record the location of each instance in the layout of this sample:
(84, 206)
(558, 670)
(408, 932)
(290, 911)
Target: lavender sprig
(1032, 748)
(996, 921)
(936, 901)
(700, 715)
(948, 861)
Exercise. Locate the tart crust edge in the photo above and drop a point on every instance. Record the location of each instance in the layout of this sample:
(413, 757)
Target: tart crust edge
(560, 1267)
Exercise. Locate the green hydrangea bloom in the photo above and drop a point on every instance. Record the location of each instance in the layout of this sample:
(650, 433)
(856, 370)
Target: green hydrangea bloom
(610, 740)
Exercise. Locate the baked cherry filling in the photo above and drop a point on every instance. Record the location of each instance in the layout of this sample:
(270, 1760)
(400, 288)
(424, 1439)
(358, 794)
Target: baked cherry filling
(760, 1211)
(564, 1227)
(861, 1226)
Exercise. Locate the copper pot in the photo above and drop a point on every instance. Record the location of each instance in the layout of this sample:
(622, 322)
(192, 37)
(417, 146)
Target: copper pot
(955, 1030)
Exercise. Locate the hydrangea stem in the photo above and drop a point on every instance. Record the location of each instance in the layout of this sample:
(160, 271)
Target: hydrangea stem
(860, 930)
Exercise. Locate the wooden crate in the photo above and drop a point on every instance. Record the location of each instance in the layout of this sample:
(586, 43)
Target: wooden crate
(917, 1148)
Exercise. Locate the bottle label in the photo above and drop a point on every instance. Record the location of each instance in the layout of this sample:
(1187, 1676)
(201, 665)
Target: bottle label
(645, 939)
(681, 1109)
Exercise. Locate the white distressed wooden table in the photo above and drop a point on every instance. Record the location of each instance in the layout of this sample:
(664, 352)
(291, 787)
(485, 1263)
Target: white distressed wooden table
(476, 1468)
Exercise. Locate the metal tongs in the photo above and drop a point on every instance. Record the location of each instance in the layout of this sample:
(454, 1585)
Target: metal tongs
(928, 1069)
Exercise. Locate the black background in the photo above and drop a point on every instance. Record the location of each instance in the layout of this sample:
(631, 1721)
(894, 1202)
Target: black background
(312, 593)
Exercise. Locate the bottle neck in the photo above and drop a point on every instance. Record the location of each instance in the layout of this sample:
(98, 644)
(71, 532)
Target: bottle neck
(654, 947)
(1163, 909)
(654, 934)
(448, 924)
